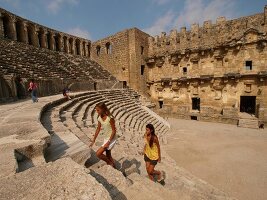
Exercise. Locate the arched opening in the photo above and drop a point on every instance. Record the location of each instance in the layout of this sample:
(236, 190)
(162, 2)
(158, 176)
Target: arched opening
(78, 47)
(21, 92)
(30, 35)
(84, 49)
(58, 42)
(71, 45)
(50, 41)
(20, 31)
(98, 48)
(5, 90)
(65, 41)
(9, 31)
(108, 48)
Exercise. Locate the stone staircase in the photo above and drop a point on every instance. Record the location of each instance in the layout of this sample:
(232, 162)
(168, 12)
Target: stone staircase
(74, 171)
(248, 121)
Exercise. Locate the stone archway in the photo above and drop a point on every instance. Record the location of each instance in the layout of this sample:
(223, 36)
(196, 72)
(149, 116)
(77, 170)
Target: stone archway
(5, 90)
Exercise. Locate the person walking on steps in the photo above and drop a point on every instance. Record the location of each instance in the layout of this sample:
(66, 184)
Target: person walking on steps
(152, 153)
(33, 90)
(107, 122)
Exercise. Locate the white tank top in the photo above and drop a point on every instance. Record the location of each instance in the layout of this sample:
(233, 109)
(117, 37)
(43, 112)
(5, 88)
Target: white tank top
(105, 124)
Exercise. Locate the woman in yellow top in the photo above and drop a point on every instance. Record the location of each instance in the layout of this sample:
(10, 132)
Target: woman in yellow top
(107, 122)
(152, 152)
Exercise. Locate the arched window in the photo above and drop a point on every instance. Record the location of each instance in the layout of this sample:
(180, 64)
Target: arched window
(108, 48)
(98, 50)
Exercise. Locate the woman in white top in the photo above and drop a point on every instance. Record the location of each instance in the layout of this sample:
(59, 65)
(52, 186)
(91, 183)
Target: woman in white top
(107, 122)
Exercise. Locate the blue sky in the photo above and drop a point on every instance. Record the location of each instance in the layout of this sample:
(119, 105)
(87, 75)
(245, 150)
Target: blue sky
(96, 19)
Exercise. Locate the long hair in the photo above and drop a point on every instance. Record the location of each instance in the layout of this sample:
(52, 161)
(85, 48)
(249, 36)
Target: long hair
(152, 131)
(104, 108)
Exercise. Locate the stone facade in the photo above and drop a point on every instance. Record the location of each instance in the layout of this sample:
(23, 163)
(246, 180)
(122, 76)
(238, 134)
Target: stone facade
(212, 72)
(123, 54)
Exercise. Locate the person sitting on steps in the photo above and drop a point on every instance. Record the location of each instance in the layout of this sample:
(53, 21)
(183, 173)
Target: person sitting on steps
(105, 120)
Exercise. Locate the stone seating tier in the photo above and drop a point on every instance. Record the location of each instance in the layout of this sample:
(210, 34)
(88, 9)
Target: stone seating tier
(28, 61)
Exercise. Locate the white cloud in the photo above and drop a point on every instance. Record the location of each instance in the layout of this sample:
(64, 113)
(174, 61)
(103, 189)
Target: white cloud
(161, 24)
(54, 6)
(80, 33)
(194, 11)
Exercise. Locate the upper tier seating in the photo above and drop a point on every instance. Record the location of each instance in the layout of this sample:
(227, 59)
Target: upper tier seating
(28, 61)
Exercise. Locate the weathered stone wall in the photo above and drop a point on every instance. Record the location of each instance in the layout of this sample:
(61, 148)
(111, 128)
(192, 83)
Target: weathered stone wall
(124, 59)
(218, 64)
(116, 59)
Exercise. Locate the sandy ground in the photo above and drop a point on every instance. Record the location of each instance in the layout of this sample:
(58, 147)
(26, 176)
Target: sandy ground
(232, 159)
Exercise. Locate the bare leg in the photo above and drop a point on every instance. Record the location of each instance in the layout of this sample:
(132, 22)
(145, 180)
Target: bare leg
(101, 156)
(152, 171)
(108, 153)
(147, 169)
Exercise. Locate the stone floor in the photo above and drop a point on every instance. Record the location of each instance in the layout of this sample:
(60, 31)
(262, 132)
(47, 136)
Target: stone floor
(230, 158)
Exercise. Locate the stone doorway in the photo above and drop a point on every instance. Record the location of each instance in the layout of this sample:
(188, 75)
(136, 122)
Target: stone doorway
(196, 103)
(248, 104)
(160, 104)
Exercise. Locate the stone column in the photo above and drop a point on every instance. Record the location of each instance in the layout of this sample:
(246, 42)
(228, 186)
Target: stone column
(11, 29)
(89, 49)
(51, 42)
(42, 40)
(35, 40)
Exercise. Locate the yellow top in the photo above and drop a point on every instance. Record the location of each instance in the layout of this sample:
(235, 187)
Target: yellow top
(151, 152)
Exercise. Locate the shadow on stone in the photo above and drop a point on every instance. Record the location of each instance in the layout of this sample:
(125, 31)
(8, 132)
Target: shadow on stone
(130, 166)
(113, 191)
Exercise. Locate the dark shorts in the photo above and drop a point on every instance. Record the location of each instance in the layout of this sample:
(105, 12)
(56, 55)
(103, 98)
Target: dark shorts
(152, 162)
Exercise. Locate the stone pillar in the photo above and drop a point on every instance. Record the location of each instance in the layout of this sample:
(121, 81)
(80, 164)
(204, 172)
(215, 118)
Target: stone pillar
(89, 50)
(58, 42)
(11, 29)
(83, 49)
(51, 42)
(42, 36)
(1, 26)
(35, 40)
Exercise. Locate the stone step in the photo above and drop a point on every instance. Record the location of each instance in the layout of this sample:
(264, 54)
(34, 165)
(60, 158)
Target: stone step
(248, 123)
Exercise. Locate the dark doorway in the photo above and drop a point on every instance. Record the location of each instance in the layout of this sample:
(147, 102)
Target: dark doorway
(95, 85)
(160, 104)
(248, 104)
(142, 69)
(124, 84)
(196, 103)
(193, 117)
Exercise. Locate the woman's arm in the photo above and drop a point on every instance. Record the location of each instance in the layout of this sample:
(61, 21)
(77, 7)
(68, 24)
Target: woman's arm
(112, 123)
(96, 133)
(157, 143)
